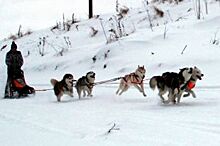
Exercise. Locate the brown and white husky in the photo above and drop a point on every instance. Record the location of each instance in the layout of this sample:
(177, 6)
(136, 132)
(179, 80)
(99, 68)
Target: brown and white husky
(65, 86)
(133, 79)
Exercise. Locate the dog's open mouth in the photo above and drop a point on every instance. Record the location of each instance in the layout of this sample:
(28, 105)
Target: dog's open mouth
(71, 80)
(92, 76)
(199, 77)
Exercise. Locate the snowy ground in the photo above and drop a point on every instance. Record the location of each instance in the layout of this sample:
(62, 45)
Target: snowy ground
(140, 121)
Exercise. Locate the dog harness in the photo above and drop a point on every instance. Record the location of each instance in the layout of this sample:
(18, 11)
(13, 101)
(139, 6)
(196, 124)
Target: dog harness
(88, 84)
(190, 85)
(134, 78)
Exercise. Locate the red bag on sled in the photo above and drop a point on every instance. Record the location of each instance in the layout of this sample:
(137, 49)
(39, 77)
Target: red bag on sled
(19, 86)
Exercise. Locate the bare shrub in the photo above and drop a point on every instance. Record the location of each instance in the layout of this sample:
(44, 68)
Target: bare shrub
(215, 40)
(93, 31)
(159, 12)
(55, 27)
(3, 47)
(20, 34)
(169, 1)
(28, 32)
(12, 37)
(41, 46)
(113, 35)
(123, 10)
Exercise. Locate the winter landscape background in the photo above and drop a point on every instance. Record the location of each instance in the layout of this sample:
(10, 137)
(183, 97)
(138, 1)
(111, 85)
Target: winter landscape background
(140, 121)
(39, 14)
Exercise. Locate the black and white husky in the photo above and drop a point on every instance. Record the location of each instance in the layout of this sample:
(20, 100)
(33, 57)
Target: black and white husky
(170, 82)
(85, 84)
(196, 74)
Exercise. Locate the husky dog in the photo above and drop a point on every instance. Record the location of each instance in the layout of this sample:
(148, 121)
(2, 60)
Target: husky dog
(196, 74)
(136, 79)
(65, 86)
(171, 82)
(85, 84)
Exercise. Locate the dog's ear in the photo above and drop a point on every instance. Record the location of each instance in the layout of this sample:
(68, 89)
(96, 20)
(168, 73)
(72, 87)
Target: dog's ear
(138, 66)
(181, 69)
(195, 67)
(191, 70)
(68, 75)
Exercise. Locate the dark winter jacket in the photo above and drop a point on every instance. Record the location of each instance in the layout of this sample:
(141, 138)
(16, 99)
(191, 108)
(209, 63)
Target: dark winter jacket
(14, 61)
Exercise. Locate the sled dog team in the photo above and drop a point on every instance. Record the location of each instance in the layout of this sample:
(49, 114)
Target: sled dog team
(175, 84)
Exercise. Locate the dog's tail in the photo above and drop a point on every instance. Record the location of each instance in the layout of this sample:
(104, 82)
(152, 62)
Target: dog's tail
(153, 82)
(53, 82)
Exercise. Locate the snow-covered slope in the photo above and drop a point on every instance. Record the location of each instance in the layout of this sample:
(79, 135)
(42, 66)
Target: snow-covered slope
(40, 120)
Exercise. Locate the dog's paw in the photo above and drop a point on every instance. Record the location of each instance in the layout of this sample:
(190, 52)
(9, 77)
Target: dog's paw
(193, 95)
(186, 95)
(174, 102)
(145, 95)
(89, 95)
(165, 101)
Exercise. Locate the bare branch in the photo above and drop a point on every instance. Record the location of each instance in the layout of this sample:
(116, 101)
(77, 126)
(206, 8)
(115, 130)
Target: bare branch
(113, 128)
(183, 49)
